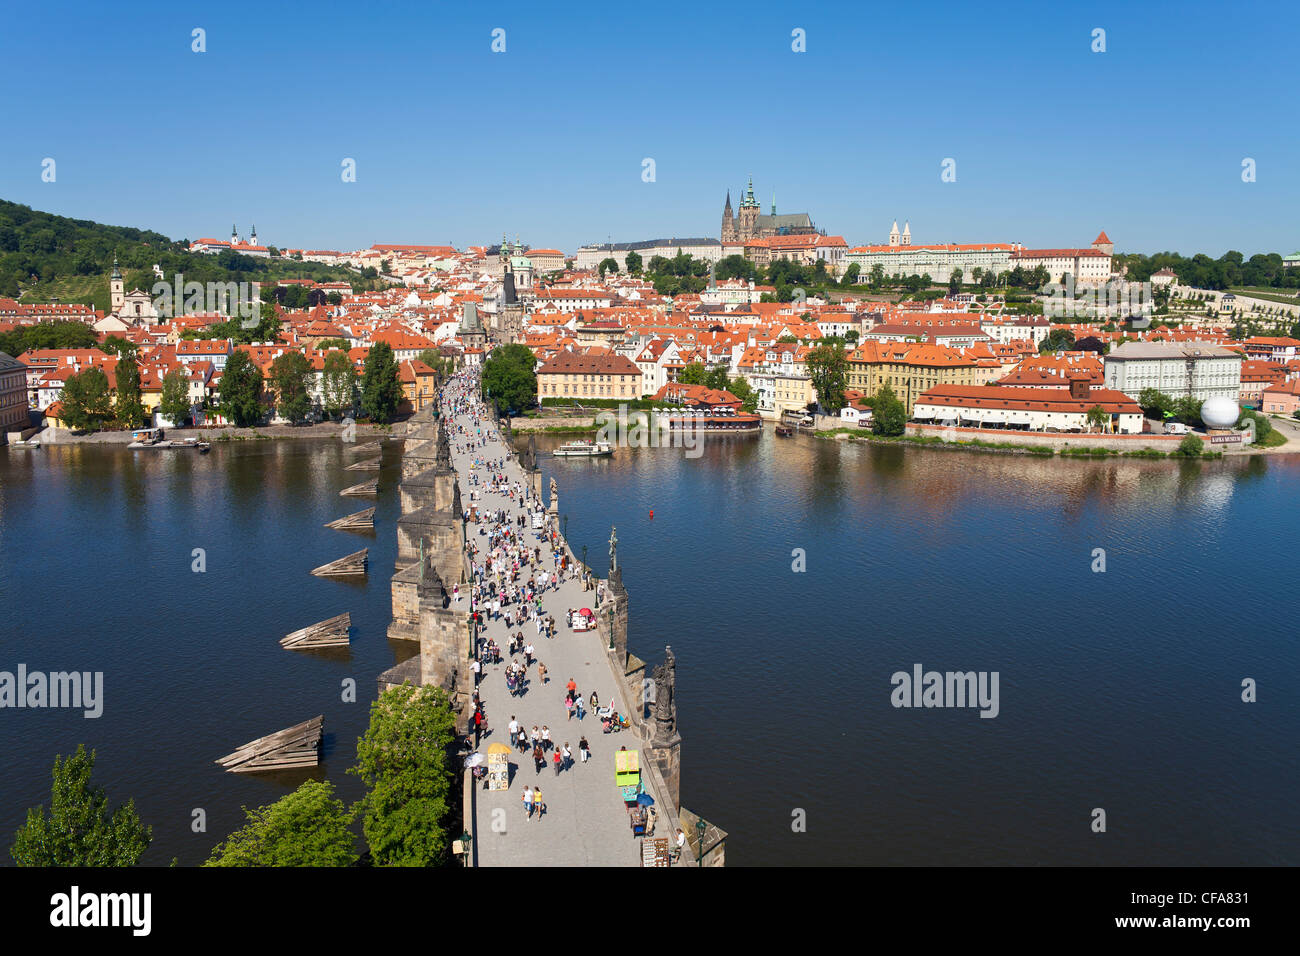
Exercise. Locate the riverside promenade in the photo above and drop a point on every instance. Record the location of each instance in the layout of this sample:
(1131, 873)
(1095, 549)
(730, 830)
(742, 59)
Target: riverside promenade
(586, 822)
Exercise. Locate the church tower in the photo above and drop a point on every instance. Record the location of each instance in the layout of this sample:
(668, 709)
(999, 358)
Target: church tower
(116, 289)
(893, 234)
(728, 221)
(252, 240)
(907, 233)
(749, 209)
(234, 235)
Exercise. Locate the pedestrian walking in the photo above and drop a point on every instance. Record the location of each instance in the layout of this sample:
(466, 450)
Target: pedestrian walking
(567, 754)
(571, 687)
(528, 801)
(558, 761)
(546, 737)
(585, 749)
(514, 731)
(537, 800)
(539, 758)
(568, 706)
(541, 671)
(577, 707)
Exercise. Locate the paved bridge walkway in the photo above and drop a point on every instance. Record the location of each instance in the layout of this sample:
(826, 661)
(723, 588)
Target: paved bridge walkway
(586, 822)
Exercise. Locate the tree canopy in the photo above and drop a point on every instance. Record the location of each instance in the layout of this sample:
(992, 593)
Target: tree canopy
(403, 760)
(381, 389)
(241, 390)
(307, 827)
(510, 377)
(79, 829)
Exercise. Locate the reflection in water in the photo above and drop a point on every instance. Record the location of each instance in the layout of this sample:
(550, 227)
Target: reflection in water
(1119, 689)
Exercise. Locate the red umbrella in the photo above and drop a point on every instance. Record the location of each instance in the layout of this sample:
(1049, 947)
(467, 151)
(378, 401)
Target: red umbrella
(586, 612)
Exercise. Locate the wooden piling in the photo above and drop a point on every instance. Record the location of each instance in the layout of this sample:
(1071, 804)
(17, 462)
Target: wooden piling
(369, 448)
(297, 746)
(370, 464)
(354, 563)
(357, 521)
(330, 633)
(367, 489)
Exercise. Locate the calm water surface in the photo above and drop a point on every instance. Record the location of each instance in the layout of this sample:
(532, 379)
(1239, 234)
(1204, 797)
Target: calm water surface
(1118, 690)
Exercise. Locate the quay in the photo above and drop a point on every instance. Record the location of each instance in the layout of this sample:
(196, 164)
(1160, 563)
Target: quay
(586, 822)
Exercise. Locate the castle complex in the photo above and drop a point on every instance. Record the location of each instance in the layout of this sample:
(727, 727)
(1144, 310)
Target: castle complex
(749, 223)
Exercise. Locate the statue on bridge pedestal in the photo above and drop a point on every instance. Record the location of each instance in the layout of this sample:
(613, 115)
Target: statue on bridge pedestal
(613, 549)
(665, 708)
(555, 497)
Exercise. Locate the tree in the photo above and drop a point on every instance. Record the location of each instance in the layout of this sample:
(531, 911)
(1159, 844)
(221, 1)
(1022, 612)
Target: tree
(175, 404)
(80, 830)
(608, 264)
(403, 762)
(241, 390)
(851, 273)
(633, 262)
(1155, 403)
(338, 383)
(1190, 447)
(86, 400)
(888, 414)
(954, 282)
(510, 377)
(381, 389)
(290, 373)
(305, 828)
(741, 388)
(693, 374)
(828, 368)
(130, 410)
(717, 378)
(1097, 417)
(1057, 340)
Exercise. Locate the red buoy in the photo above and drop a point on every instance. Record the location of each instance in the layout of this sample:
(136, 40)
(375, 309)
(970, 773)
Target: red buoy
(652, 515)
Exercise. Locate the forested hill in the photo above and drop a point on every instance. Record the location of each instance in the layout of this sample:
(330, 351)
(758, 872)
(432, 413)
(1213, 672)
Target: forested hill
(44, 257)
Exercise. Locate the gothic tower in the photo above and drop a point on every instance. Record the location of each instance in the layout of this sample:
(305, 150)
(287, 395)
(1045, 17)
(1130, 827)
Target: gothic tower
(907, 233)
(749, 210)
(893, 234)
(728, 221)
(234, 236)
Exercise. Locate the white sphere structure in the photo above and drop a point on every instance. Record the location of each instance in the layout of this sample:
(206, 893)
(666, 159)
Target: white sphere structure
(1220, 412)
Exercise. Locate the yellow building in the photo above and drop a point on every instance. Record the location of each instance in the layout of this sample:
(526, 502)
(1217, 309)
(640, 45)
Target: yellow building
(582, 375)
(909, 368)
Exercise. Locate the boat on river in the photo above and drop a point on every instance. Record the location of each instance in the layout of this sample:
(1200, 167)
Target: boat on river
(584, 448)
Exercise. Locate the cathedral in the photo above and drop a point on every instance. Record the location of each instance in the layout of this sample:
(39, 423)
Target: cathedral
(749, 223)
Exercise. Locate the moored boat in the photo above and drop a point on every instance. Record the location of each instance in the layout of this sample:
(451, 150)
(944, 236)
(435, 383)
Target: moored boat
(584, 448)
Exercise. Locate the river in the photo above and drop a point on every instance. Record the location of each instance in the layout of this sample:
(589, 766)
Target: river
(1118, 690)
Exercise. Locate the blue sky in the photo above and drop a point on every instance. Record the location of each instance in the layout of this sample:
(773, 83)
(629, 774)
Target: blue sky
(455, 143)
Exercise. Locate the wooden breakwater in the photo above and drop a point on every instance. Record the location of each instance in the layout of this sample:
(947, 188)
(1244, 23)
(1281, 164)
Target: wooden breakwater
(293, 747)
(354, 563)
(328, 633)
(357, 521)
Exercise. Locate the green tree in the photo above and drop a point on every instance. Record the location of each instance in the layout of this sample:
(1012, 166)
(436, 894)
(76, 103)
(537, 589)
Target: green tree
(828, 368)
(175, 404)
(80, 830)
(338, 383)
(241, 390)
(1097, 417)
(717, 378)
(1057, 340)
(86, 400)
(403, 762)
(851, 273)
(888, 414)
(741, 388)
(130, 410)
(608, 264)
(633, 261)
(510, 377)
(954, 282)
(290, 377)
(1190, 447)
(692, 374)
(1155, 403)
(305, 828)
(381, 389)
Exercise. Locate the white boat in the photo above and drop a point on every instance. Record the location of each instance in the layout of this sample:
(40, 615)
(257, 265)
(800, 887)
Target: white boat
(584, 449)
